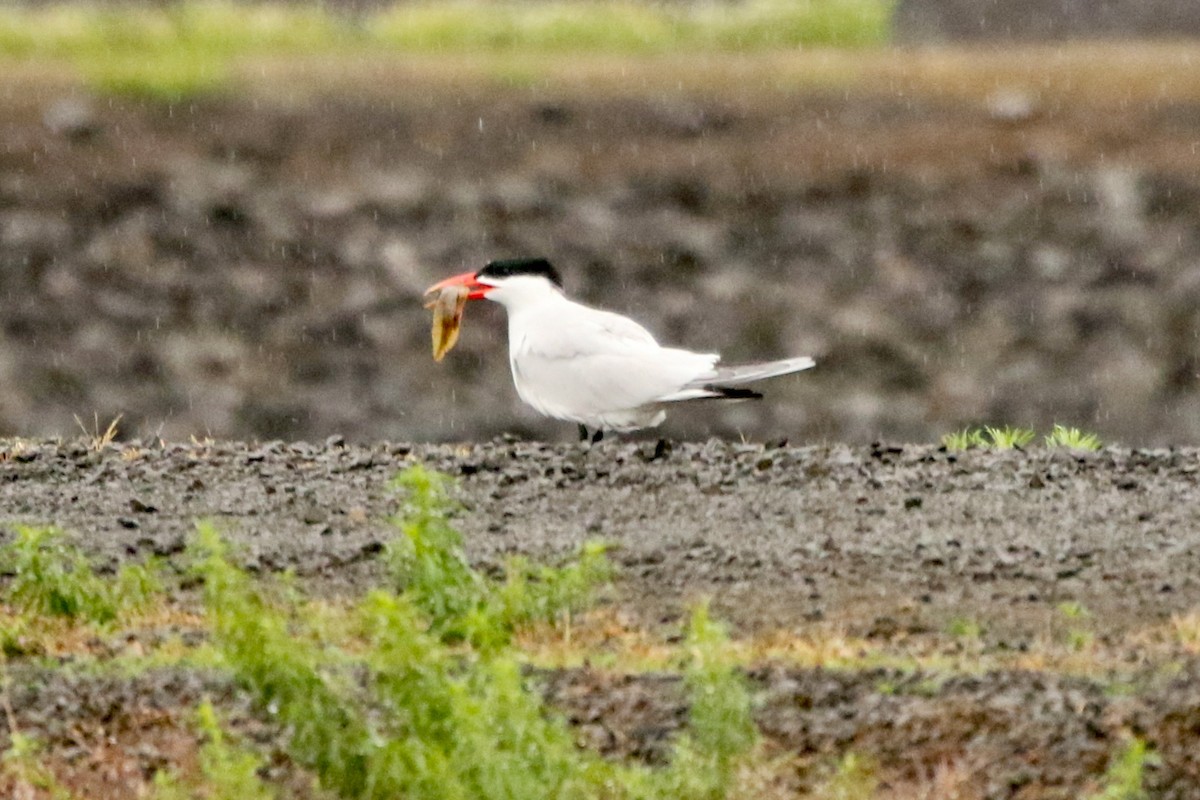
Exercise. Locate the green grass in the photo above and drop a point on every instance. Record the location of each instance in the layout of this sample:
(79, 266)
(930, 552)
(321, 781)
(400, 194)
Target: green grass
(408, 715)
(427, 563)
(228, 771)
(412, 690)
(53, 578)
(22, 764)
(1007, 438)
(419, 693)
(1072, 438)
(988, 437)
(966, 439)
(1124, 779)
(964, 628)
(416, 689)
(630, 27)
(854, 778)
(722, 729)
(190, 47)
(1010, 438)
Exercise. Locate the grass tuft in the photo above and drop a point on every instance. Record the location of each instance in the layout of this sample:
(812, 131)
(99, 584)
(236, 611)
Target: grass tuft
(1124, 779)
(97, 440)
(428, 564)
(964, 628)
(1072, 438)
(722, 729)
(965, 439)
(853, 779)
(22, 763)
(1010, 438)
(1007, 438)
(55, 579)
(227, 771)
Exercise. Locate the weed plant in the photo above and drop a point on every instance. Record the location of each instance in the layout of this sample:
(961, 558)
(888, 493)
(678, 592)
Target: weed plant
(988, 437)
(54, 578)
(427, 562)
(966, 439)
(22, 764)
(964, 628)
(854, 778)
(422, 696)
(227, 771)
(1009, 438)
(1072, 438)
(721, 729)
(1125, 777)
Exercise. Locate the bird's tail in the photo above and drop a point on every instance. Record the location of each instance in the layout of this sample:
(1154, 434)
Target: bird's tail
(727, 382)
(748, 373)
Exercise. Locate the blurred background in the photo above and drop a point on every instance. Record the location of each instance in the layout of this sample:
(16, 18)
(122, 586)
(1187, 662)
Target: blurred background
(217, 218)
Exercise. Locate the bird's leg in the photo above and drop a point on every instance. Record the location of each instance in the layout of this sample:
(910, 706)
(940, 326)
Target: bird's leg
(598, 435)
(583, 432)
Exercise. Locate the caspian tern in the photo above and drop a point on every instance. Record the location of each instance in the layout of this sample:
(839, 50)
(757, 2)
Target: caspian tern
(596, 368)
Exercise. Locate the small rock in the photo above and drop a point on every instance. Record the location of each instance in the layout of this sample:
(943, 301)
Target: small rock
(72, 117)
(139, 507)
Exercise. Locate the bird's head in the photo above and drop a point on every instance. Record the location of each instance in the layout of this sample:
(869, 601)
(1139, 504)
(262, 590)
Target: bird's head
(510, 282)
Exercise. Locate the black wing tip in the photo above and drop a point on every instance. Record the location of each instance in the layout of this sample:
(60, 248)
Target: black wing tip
(734, 393)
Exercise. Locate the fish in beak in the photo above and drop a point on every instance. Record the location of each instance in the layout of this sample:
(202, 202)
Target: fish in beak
(448, 299)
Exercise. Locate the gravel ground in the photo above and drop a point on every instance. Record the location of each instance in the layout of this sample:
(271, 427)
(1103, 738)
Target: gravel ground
(889, 543)
(885, 535)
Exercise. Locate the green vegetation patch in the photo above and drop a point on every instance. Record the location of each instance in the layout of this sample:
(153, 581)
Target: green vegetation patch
(1010, 438)
(427, 563)
(630, 27)
(422, 696)
(228, 770)
(53, 578)
(180, 49)
(419, 688)
(1126, 773)
(1072, 438)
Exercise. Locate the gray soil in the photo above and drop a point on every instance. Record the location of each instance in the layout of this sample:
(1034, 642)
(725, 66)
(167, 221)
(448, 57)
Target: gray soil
(883, 542)
(901, 536)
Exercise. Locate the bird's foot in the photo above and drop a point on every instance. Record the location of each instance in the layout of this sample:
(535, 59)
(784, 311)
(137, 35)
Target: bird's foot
(594, 437)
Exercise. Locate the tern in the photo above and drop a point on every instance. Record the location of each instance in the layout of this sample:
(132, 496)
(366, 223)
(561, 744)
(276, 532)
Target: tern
(597, 368)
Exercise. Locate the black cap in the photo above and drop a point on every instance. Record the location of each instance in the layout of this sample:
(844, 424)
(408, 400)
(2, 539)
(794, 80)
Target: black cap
(510, 268)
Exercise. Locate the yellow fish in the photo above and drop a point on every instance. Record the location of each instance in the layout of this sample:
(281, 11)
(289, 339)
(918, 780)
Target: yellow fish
(447, 304)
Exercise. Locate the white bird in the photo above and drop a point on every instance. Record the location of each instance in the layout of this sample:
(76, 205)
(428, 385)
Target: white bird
(596, 368)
